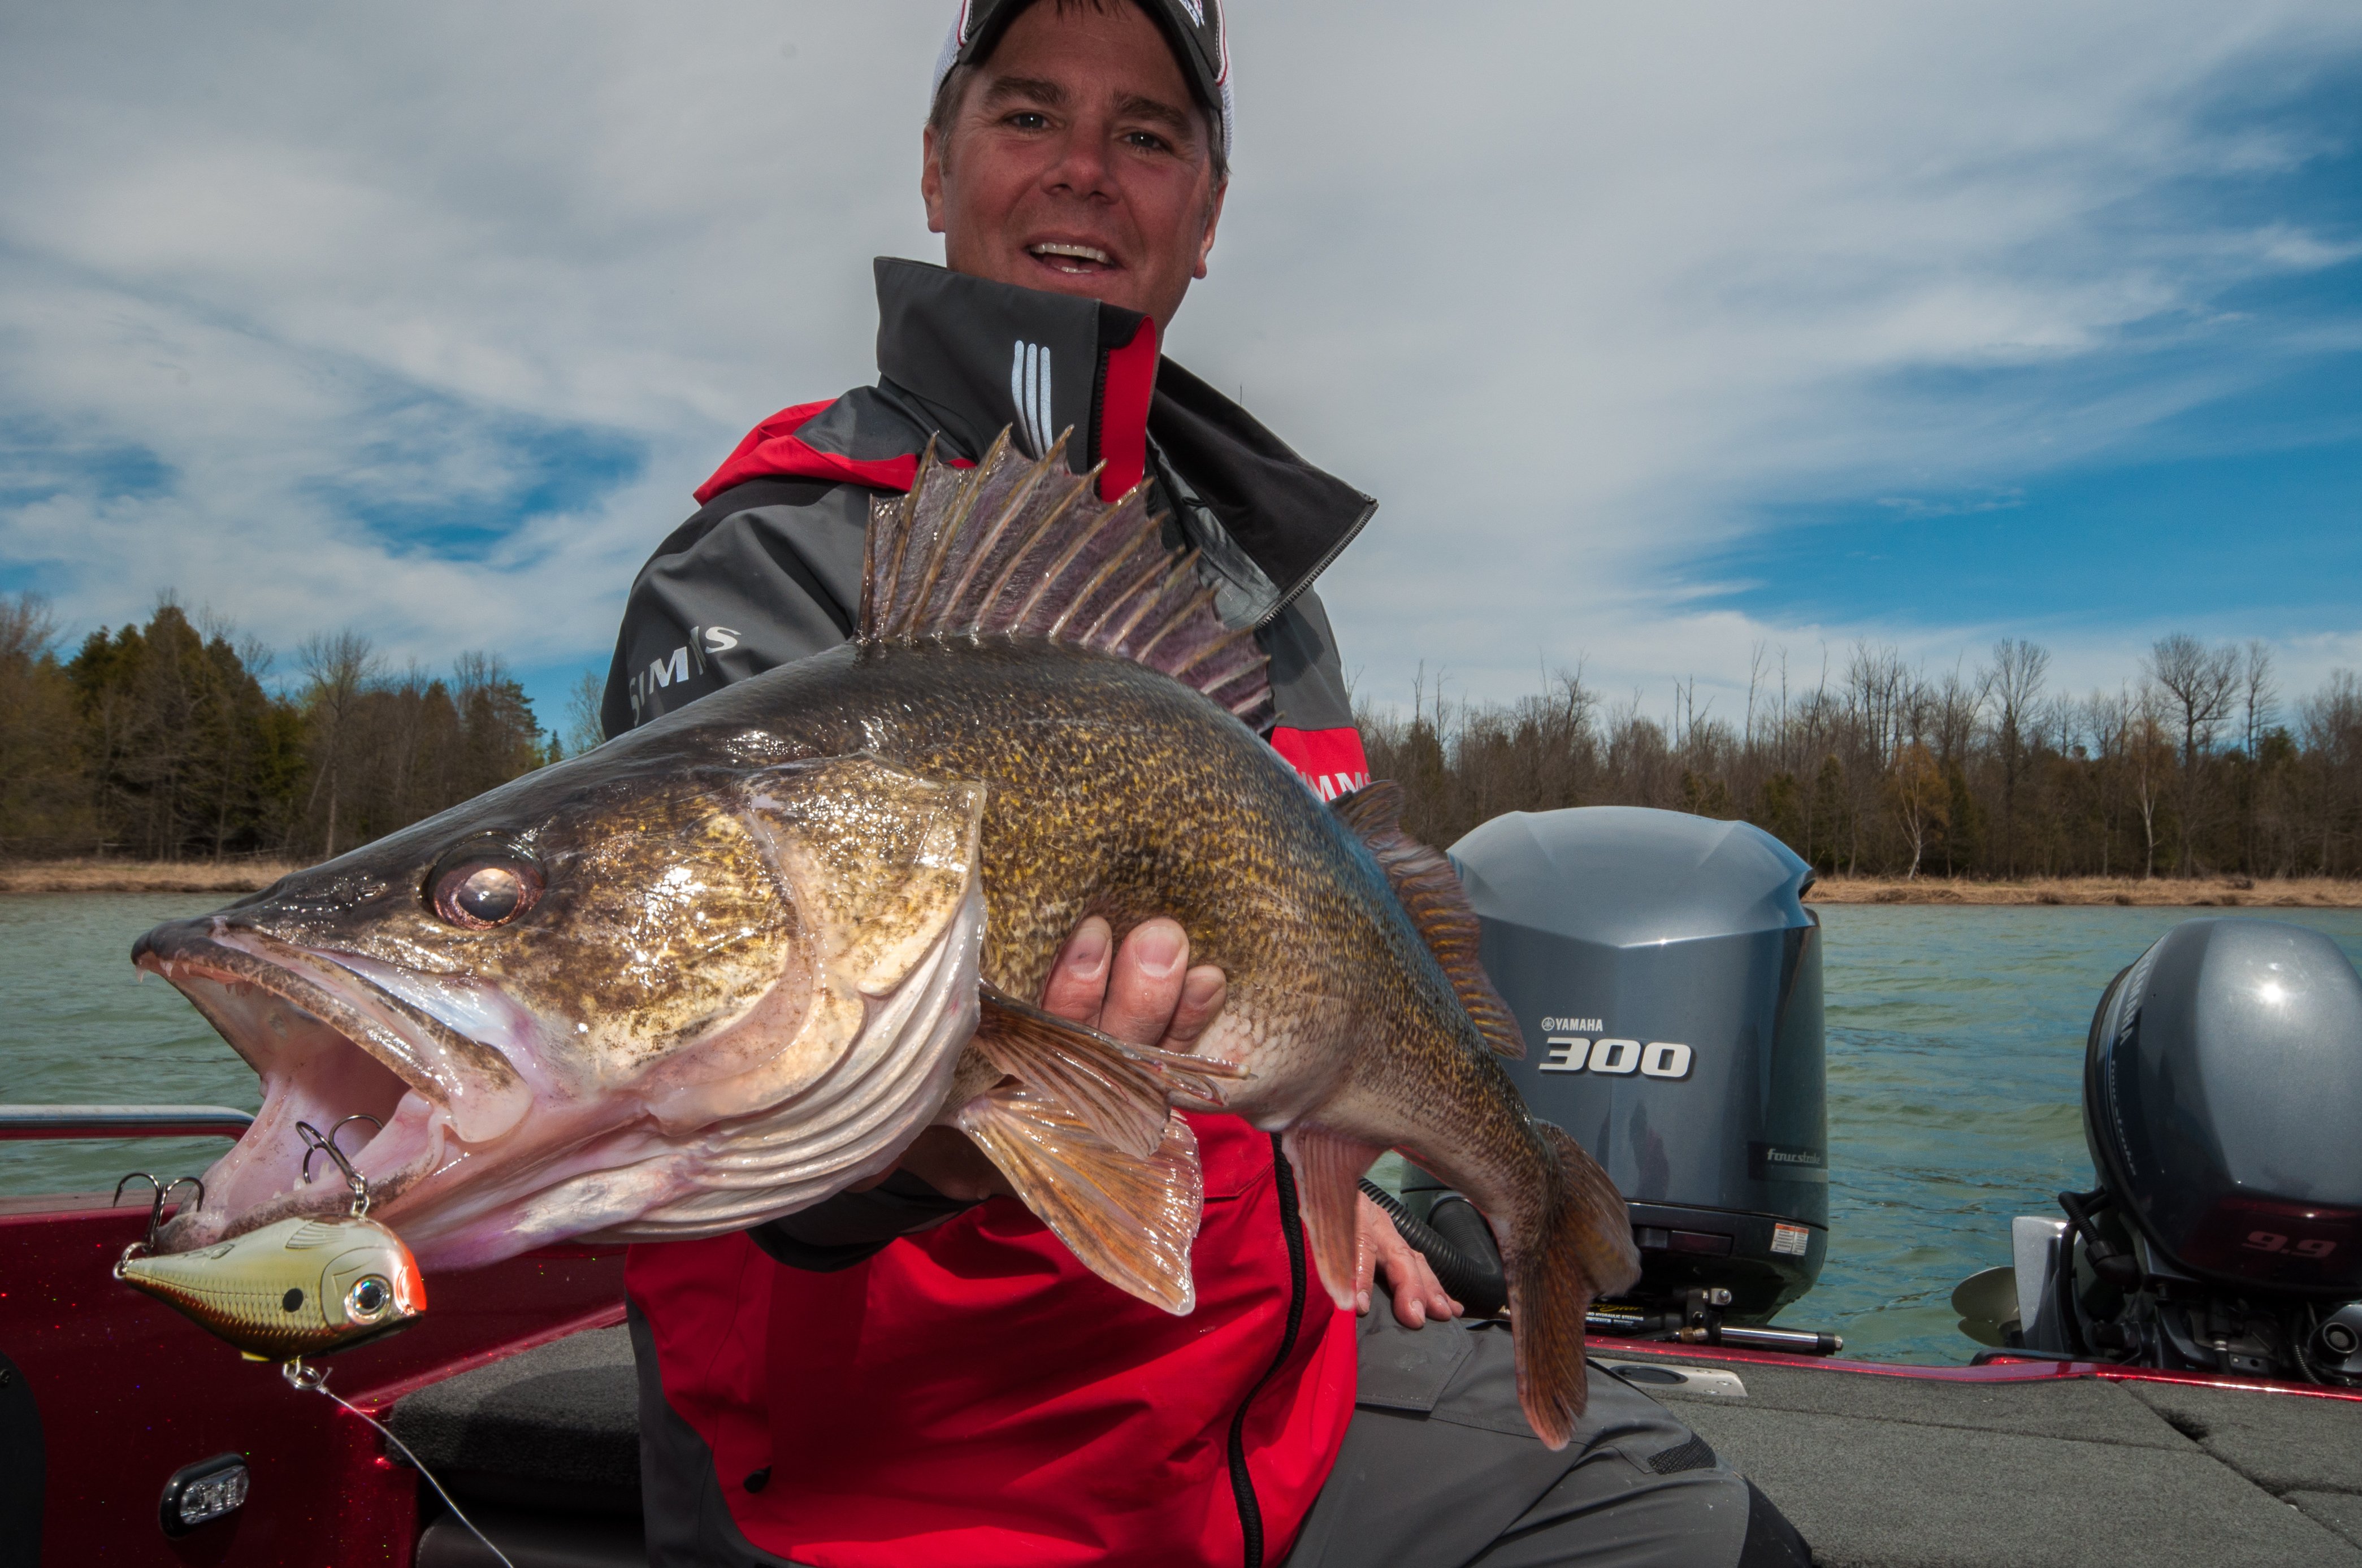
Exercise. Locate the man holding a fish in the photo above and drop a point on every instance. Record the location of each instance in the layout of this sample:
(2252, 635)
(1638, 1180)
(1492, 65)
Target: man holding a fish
(925, 1374)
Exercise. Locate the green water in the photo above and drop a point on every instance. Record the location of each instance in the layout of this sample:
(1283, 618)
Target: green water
(79, 1026)
(1956, 1053)
(1955, 1041)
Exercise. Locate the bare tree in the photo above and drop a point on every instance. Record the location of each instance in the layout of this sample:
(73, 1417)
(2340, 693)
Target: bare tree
(2259, 695)
(2332, 722)
(584, 728)
(2013, 685)
(2200, 681)
(1921, 800)
(339, 668)
(2258, 702)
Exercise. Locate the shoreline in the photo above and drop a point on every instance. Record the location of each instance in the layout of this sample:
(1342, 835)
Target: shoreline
(2167, 893)
(2198, 893)
(140, 876)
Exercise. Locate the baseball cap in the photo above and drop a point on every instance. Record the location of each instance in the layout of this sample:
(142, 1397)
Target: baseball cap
(1194, 28)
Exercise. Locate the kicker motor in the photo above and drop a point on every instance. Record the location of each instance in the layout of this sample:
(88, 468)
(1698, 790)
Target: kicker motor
(2221, 1090)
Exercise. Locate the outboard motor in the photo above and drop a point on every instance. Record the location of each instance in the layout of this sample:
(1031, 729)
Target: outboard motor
(1668, 980)
(2222, 1106)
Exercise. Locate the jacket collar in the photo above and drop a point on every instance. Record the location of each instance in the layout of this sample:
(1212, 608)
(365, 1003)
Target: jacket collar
(977, 357)
(962, 358)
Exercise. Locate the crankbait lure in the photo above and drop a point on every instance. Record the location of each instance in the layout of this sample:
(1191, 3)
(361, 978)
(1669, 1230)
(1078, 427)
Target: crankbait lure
(299, 1286)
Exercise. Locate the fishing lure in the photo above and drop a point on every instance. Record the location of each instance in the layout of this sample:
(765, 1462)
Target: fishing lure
(299, 1286)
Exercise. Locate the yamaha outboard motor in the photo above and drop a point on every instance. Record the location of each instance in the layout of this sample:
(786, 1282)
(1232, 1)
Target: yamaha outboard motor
(1668, 980)
(2222, 1106)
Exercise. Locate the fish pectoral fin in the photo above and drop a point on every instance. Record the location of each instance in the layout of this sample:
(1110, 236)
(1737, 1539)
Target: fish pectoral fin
(1121, 1092)
(1130, 1220)
(1329, 1168)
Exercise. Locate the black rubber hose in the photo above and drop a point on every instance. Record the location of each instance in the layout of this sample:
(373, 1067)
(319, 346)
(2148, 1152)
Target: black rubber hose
(1466, 1264)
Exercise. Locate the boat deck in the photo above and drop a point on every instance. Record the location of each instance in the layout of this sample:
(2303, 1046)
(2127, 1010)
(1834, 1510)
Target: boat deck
(1878, 1471)
(1887, 1472)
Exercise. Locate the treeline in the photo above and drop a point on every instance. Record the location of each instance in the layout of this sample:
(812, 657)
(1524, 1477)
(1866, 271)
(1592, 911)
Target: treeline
(2192, 766)
(172, 741)
(179, 739)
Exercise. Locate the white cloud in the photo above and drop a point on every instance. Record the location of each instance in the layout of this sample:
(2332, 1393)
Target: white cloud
(1575, 290)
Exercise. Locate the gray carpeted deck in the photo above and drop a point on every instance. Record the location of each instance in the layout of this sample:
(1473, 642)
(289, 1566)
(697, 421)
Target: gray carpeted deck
(557, 1427)
(1877, 1472)
(1896, 1472)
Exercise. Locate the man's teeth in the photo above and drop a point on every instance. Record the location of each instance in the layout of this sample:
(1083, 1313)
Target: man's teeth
(1079, 252)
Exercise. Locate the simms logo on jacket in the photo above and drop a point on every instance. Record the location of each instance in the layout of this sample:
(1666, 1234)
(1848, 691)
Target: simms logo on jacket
(1330, 760)
(676, 668)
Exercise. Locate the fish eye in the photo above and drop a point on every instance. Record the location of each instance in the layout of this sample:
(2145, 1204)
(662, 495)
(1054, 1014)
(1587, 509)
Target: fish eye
(367, 1299)
(478, 887)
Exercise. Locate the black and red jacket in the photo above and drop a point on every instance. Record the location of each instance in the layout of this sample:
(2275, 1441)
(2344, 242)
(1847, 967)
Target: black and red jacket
(768, 570)
(949, 1386)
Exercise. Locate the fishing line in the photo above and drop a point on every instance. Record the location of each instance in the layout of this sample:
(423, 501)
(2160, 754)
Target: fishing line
(315, 1379)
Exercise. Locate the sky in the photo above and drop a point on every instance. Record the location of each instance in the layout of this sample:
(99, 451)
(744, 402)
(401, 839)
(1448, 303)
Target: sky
(1663, 334)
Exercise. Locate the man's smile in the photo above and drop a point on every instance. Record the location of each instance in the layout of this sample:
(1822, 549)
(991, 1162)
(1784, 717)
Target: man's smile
(1072, 258)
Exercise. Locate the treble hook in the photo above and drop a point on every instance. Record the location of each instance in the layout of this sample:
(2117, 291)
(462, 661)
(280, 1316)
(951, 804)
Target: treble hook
(327, 1146)
(316, 1143)
(155, 1206)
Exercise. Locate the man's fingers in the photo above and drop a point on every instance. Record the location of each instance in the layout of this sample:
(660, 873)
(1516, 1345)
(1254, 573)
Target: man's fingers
(1203, 991)
(1078, 986)
(1146, 982)
(1418, 1294)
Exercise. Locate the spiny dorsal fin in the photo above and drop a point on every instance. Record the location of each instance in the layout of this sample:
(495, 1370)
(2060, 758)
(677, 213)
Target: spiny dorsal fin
(1431, 891)
(1014, 547)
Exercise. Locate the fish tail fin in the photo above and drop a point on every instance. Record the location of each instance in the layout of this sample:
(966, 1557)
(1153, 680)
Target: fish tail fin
(1585, 1251)
(1017, 547)
(1329, 1168)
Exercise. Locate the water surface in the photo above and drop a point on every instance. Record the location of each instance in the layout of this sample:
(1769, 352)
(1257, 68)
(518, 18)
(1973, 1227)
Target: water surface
(80, 1026)
(1955, 1041)
(1956, 1053)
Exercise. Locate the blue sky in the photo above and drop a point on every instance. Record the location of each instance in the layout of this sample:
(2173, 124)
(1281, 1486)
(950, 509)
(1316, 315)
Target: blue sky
(1660, 335)
(2238, 512)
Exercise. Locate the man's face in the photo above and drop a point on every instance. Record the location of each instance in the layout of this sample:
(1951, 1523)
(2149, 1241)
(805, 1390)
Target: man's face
(1079, 162)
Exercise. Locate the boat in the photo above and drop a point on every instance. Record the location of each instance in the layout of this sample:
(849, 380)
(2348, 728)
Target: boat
(1668, 974)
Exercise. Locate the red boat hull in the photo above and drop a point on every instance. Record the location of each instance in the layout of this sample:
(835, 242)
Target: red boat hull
(129, 1392)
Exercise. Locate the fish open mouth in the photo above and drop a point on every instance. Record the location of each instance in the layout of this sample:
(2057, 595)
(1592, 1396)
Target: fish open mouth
(402, 1092)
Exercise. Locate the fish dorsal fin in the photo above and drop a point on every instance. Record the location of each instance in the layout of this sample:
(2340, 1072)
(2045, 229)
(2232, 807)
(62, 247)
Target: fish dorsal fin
(1019, 548)
(1431, 891)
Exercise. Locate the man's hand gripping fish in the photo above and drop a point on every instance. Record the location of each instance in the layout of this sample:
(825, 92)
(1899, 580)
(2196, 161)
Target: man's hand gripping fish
(730, 964)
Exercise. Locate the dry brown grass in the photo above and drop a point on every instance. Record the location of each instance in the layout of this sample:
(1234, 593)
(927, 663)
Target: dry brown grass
(2202, 892)
(139, 876)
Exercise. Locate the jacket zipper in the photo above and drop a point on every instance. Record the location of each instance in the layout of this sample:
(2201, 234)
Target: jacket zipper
(1322, 564)
(1291, 1226)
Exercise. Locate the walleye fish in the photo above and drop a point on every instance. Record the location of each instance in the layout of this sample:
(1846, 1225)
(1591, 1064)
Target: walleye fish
(297, 1287)
(731, 963)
